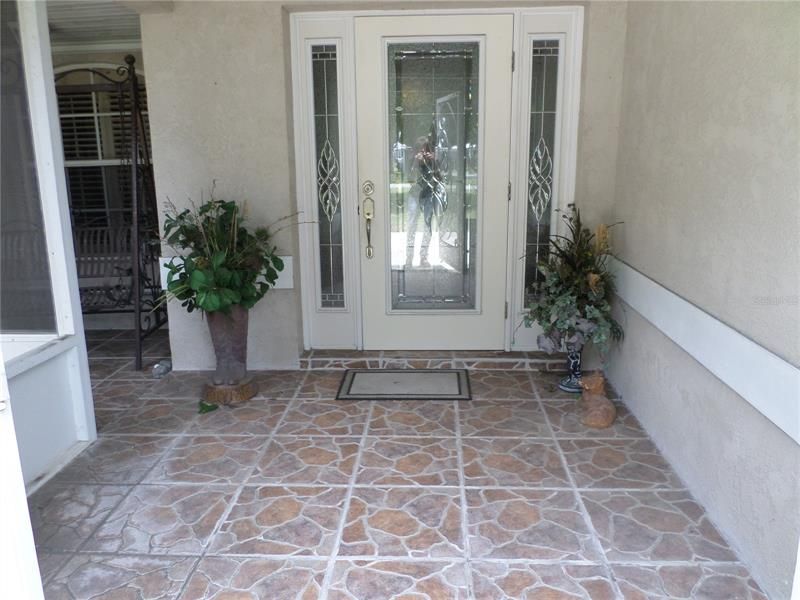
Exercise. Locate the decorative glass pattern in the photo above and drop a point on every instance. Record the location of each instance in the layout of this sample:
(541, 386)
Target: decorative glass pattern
(543, 119)
(329, 215)
(433, 183)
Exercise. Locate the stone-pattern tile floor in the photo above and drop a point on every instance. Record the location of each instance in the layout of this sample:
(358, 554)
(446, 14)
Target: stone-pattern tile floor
(298, 496)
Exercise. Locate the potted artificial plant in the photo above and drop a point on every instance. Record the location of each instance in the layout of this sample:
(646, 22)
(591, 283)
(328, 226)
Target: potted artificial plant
(572, 301)
(222, 269)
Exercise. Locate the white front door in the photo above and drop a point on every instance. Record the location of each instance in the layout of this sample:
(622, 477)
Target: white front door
(460, 163)
(433, 105)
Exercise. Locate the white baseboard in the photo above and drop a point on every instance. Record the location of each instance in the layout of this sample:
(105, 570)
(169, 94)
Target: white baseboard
(765, 380)
(62, 462)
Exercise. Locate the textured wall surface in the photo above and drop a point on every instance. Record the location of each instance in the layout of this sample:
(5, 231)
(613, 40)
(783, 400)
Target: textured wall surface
(217, 77)
(741, 467)
(707, 185)
(601, 91)
(688, 133)
(708, 177)
(218, 111)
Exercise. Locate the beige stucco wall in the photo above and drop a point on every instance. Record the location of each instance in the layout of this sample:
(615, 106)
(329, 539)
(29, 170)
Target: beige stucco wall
(219, 109)
(708, 175)
(707, 185)
(598, 127)
(738, 464)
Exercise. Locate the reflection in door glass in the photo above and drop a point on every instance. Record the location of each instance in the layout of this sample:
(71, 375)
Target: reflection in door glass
(433, 184)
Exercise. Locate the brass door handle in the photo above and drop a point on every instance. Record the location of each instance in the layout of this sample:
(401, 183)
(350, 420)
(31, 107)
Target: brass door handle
(368, 209)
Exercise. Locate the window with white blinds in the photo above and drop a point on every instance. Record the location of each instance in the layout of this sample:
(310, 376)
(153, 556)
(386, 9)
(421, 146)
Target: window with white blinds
(95, 127)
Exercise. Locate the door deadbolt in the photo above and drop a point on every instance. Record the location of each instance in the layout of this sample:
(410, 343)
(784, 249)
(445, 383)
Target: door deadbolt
(368, 187)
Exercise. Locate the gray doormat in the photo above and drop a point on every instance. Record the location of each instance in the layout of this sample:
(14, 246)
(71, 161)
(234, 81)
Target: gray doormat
(405, 384)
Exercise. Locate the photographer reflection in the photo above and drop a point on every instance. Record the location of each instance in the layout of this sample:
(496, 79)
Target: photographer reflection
(426, 198)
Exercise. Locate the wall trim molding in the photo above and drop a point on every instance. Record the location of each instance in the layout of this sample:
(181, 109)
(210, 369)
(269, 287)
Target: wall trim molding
(96, 47)
(765, 380)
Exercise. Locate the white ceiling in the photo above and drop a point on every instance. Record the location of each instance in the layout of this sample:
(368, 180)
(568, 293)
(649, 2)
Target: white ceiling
(80, 22)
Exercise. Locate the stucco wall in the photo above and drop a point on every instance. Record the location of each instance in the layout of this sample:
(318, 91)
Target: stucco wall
(218, 111)
(217, 77)
(601, 91)
(708, 178)
(738, 464)
(707, 185)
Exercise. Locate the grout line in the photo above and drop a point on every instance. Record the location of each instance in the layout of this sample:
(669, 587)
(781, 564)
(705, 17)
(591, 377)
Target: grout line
(537, 395)
(124, 498)
(551, 438)
(326, 582)
(226, 513)
(522, 487)
(234, 499)
(122, 366)
(579, 500)
(463, 499)
(66, 556)
(461, 559)
(406, 558)
(403, 436)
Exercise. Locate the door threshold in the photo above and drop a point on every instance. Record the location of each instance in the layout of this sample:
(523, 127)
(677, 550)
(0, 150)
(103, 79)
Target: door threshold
(327, 360)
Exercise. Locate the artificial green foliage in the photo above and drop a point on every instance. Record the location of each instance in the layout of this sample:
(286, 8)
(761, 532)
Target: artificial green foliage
(572, 302)
(206, 407)
(221, 263)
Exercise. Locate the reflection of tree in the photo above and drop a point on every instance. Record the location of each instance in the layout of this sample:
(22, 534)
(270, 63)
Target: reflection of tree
(433, 106)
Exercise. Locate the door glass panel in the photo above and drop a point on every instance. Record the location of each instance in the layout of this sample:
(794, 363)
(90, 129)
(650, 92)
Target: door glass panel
(433, 166)
(541, 156)
(326, 129)
(26, 301)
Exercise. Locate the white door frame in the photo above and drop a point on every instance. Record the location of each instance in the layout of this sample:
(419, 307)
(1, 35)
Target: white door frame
(36, 357)
(342, 327)
(566, 25)
(66, 347)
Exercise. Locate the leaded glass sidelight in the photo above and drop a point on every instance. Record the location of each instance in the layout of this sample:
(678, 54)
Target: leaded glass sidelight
(433, 173)
(329, 213)
(541, 158)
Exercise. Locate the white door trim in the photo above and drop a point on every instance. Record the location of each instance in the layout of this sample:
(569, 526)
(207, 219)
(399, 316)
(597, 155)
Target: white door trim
(47, 143)
(325, 327)
(566, 25)
(19, 569)
(342, 328)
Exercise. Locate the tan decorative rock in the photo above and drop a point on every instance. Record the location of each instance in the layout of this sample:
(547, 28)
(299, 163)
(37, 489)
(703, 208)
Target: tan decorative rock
(598, 411)
(594, 383)
(229, 395)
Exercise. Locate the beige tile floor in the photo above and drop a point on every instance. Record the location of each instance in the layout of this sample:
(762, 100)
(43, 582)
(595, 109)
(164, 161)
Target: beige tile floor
(296, 495)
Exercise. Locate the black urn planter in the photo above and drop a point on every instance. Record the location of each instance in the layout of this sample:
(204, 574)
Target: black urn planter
(572, 382)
